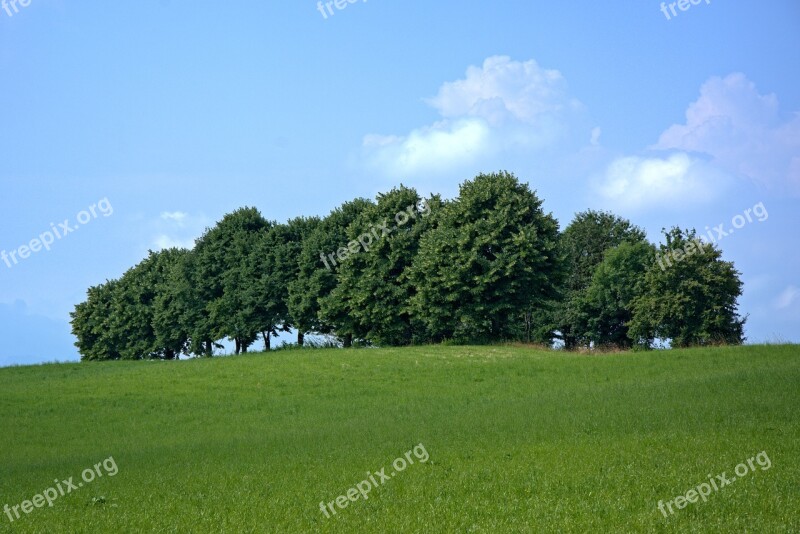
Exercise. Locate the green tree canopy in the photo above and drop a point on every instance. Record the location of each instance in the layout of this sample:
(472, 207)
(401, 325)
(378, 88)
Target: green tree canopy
(606, 309)
(133, 309)
(584, 243)
(491, 257)
(222, 281)
(689, 297)
(91, 324)
(316, 272)
(488, 266)
(176, 306)
(276, 262)
(373, 291)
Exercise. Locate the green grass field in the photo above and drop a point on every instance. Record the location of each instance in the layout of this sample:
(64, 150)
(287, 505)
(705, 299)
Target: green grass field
(519, 440)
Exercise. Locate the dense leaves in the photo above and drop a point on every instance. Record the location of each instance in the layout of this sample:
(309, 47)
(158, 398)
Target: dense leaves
(584, 244)
(317, 268)
(691, 301)
(487, 266)
(606, 306)
(373, 292)
(492, 255)
(223, 278)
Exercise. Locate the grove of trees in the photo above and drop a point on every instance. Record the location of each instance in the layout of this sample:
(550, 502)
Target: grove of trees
(488, 266)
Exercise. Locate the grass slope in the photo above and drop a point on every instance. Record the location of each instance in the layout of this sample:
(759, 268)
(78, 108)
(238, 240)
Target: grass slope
(520, 440)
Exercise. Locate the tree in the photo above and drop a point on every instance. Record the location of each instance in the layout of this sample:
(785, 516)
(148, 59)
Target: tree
(91, 324)
(118, 320)
(373, 291)
(316, 272)
(584, 244)
(221, 281)
(606, 308)
(276, 260)
(487, 266)
(491, 258)
(176, 307)
(689, 295)
(133, 308)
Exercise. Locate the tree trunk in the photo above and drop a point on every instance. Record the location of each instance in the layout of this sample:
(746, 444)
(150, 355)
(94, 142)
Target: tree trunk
(348, 341)
(528, 318)
(300, 338)
(238, 345)
(266, 341)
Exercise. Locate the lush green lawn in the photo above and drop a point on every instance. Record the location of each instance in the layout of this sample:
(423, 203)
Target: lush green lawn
(519, 440)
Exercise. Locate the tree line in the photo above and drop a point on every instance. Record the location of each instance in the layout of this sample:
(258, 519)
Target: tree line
(487, 266)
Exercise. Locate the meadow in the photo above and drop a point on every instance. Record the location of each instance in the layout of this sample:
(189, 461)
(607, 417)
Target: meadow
(519, 440)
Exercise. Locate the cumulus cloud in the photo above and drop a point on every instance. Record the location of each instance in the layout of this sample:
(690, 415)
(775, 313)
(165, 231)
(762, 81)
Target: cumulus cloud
(637, 182)
(176, 229)
(503, 90)
(596, 132)
(730, 130)
(177, 216)
(500, 106)
(437, 148)
(742, 131)
(164, 241)
(787, 297)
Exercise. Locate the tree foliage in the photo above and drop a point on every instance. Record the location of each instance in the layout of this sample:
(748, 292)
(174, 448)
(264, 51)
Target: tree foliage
(584, 244)
(222, 279)
(91, 324)
(275, 261)
(373, 291)
(692, 301)
(316, 270)
(605, 311)
(491, 256)
(487, 266)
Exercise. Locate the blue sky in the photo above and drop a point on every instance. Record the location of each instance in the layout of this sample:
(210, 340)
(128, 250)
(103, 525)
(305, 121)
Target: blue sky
(172, 113)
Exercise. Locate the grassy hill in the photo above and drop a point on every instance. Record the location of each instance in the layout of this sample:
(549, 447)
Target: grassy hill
(516, 439)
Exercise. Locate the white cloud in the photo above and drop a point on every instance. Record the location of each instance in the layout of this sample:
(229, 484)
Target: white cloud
(787, 297)
(177, 216)
(731, 129)
(438, 147)
(504, 90)
(176, 229)
(742, 131)
(164, 241)
(595, 139)
(637, 183)
(500, 106)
